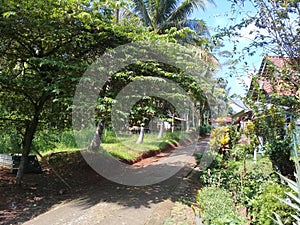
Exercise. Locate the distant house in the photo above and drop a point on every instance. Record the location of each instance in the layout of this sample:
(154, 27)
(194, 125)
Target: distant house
(221, 121)
(275, 81)
(275, 78)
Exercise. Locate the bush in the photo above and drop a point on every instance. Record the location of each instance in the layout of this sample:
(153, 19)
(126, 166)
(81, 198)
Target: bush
(234, 136)
(266, 202)
(220, 139)
(45, 140)
(279, 151)
(211, 159)
(10, 141)
(67, 139)
(173, 136)
(109, 137)
(217, 207)
(224, 178)
(233, 178)
(270, 123)
(204, 129)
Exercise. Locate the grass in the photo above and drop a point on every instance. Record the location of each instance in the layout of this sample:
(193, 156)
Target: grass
(127, 148)
(59, 149)
(263, 165)
(124, 146)
(121, 146)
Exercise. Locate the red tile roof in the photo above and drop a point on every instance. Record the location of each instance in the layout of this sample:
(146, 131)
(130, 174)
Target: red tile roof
(278, 61)
(269, 83)
(269, 62)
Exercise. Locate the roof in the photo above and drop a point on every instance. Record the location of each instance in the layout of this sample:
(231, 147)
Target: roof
(278, 61)
(271, 82)
(222, 120)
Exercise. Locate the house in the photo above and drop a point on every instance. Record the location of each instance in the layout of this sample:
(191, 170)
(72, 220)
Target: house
(276, 82)
(221, 121)
(275, 78)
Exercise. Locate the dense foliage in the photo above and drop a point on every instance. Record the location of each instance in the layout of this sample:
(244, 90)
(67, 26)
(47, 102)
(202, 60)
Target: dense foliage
(45, 48)
(209, 200)
(266, 202)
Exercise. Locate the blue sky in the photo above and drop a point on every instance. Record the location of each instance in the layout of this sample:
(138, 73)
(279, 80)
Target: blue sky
(218, 15)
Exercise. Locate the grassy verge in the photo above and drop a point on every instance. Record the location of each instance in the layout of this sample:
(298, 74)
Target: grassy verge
(121, 146)
(124, 146)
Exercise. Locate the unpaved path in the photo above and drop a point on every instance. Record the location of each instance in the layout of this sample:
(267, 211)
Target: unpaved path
(109, 203)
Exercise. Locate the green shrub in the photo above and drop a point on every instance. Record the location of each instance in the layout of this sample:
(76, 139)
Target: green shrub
(220, 141)
(216, 207)
(171, 136)
(232, 178)
(279, 151)
(267, 201)
(214, 159)
(10, 141)
(249, 186)
(204, 129)
(67, 139)
(45, 140)
(109, 137)
(240, 151)
(234, 136)
(293, 195)
(225, 178)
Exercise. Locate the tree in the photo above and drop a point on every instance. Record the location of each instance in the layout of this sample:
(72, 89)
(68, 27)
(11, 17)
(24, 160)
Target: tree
(162, 15)
(172, 18)
(45, 47)
(146, 108)
(275, 27)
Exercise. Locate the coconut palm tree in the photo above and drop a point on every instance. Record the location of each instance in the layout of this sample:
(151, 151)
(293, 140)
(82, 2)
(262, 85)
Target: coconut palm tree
(161, 15)
(164, 14)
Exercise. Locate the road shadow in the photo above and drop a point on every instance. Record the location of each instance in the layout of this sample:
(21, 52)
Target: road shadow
(42, 192)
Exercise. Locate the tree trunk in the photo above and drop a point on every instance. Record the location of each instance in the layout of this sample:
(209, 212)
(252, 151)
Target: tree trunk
(95, 143)
(187, 122)
(193, 118)
(27, 142)
(173, 123)
(117, 15)
(141, 136)
(161, 130)
(201, 115)
(29, 135)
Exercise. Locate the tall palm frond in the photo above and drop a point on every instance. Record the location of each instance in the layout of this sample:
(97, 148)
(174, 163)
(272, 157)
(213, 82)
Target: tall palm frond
(161, 15)
(185, 9)
(164, 14)
(142, 10)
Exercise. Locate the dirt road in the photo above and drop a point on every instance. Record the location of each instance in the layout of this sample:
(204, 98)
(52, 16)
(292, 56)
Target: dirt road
(108, 203)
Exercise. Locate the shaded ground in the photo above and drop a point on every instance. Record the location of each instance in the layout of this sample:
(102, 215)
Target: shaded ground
(42, 192)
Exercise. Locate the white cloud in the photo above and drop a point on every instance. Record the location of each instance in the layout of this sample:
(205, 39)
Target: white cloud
(251, 31)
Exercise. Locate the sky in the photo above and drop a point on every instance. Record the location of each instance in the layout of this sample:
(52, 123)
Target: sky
(217, 15)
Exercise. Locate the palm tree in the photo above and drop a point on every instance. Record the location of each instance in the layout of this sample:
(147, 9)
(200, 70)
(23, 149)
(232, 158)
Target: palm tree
(161, 15)
(164, 14)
